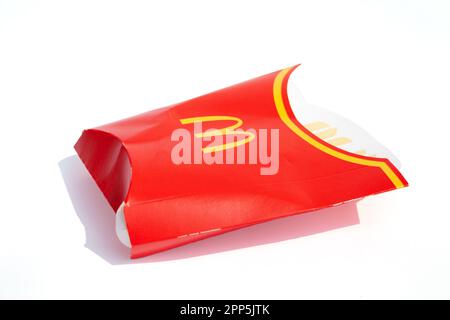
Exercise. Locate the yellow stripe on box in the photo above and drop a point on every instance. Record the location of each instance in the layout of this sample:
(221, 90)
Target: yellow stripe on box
(282, 113)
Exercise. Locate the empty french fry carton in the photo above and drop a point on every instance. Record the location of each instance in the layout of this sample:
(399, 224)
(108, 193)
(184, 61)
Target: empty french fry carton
(239, 156)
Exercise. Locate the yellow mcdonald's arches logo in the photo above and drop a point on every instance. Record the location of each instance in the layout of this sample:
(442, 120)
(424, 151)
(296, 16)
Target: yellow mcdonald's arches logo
(229, 130)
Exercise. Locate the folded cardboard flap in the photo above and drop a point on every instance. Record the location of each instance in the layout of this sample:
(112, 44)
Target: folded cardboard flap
(107, 160)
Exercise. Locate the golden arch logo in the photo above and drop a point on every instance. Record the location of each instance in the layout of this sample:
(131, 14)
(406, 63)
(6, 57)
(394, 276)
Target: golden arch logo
(263, 144)
(229, 130)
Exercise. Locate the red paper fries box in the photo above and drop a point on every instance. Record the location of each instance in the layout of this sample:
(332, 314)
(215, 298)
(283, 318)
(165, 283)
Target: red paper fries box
(239, 156)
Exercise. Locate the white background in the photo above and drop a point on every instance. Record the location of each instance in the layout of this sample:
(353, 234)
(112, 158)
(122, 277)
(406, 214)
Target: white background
(70, 65)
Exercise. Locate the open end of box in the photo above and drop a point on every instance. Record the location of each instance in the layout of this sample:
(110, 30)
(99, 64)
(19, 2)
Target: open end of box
(108, 162)
(334, 129)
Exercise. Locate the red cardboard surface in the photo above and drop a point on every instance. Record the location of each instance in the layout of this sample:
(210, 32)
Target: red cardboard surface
(169, 204)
